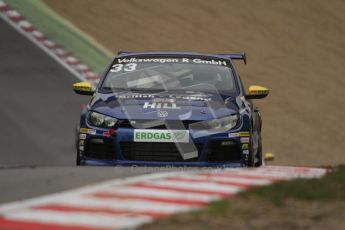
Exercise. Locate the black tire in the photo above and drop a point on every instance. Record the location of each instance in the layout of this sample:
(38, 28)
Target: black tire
(78, 158)
(251, 154)
(255, 160)
(259, 161)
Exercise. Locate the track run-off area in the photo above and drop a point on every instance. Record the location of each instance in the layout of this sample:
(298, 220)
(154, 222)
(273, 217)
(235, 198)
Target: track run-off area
(41, 187)
(134, 201)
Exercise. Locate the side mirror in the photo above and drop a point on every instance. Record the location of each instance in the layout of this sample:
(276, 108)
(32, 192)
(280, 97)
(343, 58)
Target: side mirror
(83, 88)
(257, 92)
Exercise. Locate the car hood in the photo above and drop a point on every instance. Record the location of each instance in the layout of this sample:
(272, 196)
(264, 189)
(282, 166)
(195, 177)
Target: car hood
(187, 105)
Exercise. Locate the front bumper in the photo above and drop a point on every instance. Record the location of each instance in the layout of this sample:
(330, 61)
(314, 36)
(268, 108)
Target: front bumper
(117, 155)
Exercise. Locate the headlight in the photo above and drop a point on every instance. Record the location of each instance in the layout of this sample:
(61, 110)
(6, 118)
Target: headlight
(109, 121)
(224, 123)
(101, 120)
(206, 128)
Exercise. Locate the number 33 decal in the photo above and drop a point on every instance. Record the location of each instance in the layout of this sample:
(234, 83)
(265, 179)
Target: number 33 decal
(127, 68)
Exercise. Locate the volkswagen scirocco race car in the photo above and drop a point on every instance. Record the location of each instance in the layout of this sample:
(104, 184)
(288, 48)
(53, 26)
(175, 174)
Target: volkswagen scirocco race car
(170, 108)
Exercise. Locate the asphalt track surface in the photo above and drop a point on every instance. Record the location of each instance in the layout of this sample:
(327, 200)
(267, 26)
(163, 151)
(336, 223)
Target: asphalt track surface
(38, 116)
(39, 111)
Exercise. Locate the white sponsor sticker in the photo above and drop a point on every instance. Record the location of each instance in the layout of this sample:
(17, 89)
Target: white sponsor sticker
(244, 139)
(245, 152)
(234, 134)
(92, 132)
(82, 136)
(81, 148)
(160, 105)
(154, 135)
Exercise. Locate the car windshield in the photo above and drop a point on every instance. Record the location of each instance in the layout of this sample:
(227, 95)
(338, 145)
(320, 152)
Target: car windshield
(169, 74)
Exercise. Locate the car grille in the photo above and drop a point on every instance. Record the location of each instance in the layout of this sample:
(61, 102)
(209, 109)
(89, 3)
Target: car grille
(153, 124)
(219, 153)
(100, 149)
(147, 151)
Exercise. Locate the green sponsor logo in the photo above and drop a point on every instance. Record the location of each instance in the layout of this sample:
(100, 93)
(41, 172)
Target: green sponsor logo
(152, 136)
(180, 135)
(143, 135)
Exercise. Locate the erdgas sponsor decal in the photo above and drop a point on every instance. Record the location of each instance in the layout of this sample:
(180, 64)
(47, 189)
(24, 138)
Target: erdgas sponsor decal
(146, 135)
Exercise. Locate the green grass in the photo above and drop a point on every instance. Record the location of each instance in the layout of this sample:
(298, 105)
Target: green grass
(296, 204)
(329, 188)
(218, 206)
(64, 33)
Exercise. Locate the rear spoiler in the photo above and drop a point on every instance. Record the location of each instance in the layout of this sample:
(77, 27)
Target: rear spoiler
(239, 56)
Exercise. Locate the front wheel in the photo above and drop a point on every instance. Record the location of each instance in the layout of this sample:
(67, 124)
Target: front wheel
(255, 158)
(78, 160)
(251, 156)
(258, 161)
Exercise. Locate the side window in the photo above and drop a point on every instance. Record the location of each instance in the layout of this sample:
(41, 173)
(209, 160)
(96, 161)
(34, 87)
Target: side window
(241, 85)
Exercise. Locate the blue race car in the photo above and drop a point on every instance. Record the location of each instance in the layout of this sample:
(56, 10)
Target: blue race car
(170, 109)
